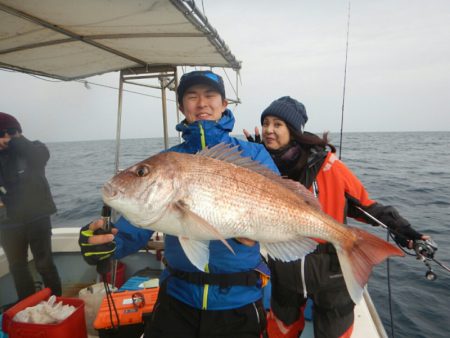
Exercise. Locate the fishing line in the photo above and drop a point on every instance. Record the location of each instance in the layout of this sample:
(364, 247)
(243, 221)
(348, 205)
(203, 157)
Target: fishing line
(388, 270)
(340, 156)
(110, 299)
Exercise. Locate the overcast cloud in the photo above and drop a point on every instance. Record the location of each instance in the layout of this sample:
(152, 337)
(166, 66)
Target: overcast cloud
(398, 76)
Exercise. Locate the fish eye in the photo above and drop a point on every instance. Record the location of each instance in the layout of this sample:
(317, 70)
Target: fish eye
(142, 171)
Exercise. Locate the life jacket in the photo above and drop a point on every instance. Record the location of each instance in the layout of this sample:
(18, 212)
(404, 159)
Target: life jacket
(335, 183)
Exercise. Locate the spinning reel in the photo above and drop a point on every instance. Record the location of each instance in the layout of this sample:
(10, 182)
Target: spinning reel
(425, 252)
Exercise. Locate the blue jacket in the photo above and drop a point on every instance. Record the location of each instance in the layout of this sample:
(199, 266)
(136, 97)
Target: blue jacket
(130, 239)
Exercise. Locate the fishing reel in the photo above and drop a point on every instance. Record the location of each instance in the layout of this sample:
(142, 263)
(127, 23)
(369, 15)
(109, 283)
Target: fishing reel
(425, 250)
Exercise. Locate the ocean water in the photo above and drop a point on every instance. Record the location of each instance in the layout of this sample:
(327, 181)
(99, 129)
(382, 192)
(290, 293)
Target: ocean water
(410, 171)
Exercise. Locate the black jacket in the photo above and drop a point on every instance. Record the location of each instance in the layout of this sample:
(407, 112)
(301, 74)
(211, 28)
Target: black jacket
(26, 192)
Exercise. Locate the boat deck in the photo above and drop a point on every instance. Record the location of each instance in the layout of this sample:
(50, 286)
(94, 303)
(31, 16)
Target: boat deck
(76, 274)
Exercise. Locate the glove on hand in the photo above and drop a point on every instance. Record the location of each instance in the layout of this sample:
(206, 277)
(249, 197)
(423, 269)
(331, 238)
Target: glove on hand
(94, 253)
(401, 229)
(405, 234)
(257, 139)
(250, 138)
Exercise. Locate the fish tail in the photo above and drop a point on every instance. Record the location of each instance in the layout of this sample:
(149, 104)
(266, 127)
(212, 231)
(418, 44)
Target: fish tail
(357, 259)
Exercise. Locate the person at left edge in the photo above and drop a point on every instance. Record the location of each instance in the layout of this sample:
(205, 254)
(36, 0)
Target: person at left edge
(26, 196)
(215, 302)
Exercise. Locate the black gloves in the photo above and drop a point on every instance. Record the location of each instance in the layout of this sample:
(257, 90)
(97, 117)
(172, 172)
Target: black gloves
(250, 138)
(404, 234)
(257, 138)
(400, 227)
(94, 253)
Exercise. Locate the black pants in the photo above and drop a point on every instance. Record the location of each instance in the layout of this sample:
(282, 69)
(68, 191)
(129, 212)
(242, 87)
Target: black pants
(333, 307)
(174, 319)
(15, 241)
(325, 285)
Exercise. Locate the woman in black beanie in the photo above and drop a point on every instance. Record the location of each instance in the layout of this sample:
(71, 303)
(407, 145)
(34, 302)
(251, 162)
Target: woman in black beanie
(310, 160)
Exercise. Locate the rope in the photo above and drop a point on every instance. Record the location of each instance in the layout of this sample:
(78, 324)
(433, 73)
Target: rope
(231, 84)
(86, 83)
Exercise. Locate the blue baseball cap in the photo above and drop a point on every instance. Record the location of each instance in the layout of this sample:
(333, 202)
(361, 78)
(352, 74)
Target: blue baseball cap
(197, 77)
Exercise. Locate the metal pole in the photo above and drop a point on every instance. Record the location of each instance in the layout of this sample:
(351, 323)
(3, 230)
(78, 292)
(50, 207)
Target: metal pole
(176, 101)
(116, 162)
(119, 123)
(164, 108)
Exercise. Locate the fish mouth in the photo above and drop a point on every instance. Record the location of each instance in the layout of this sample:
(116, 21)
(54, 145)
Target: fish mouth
(109, 192)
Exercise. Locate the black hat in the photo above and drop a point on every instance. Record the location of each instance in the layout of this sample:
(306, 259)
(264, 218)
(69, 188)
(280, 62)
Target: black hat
(9, 122)
(289, 110)
(197, 77)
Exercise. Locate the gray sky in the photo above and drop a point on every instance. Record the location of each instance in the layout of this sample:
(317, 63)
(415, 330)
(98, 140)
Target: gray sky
(398, 76)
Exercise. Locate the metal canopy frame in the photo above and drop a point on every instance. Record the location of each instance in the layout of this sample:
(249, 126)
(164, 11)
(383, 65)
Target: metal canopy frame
(58, 25)
(200, 28)
(168, 79)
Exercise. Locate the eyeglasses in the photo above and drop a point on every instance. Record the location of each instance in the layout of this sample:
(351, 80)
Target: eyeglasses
(9, 131)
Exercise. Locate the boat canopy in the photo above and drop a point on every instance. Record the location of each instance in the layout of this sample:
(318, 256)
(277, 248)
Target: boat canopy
(70, 40)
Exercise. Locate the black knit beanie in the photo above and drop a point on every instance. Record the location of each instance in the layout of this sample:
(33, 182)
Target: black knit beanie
(9, 121)
(289, 110)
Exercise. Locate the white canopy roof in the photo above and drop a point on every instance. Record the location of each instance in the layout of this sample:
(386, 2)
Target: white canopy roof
(75, 39)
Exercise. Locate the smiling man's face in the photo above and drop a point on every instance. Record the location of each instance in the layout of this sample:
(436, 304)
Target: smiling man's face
(202, 102)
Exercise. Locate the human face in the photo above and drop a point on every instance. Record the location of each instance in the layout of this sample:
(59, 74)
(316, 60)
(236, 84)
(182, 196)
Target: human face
(202, 102)
(275, 133)
(6, 135)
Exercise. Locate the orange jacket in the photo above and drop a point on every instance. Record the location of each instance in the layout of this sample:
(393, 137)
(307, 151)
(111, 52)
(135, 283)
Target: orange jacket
(335, 181)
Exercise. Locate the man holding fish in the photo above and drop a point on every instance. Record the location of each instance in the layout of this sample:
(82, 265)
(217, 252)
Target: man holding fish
(211, 289)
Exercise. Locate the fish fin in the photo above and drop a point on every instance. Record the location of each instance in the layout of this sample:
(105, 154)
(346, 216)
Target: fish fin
(290, 250)
(191, 219)
(359, 257)
(231, 154)
(196, 251)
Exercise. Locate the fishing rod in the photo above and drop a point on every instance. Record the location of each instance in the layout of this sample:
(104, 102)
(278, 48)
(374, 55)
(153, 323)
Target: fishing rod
(106, 265)
(345, 82)
(424, 249)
